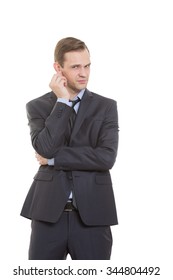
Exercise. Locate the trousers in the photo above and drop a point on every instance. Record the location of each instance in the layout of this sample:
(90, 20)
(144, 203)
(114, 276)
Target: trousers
(54, 241)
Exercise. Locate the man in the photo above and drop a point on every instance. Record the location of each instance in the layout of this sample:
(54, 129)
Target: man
(71, 201)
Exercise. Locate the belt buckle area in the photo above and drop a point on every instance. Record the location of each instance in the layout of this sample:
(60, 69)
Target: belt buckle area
(69, 207)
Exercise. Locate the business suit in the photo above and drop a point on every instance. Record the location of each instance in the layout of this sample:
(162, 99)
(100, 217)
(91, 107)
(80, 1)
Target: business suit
(82, 159)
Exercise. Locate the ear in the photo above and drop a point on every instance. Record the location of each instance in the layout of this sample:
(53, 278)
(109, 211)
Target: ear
(57, 66)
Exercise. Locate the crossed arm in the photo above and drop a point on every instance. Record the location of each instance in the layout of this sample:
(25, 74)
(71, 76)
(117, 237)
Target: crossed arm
(48, 135)
(101, 157)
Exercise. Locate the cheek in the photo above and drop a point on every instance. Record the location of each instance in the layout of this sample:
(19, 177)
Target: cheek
(71, 77)
(68, 75)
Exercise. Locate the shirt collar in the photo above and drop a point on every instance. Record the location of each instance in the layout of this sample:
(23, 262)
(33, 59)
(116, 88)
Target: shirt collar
(80, 94)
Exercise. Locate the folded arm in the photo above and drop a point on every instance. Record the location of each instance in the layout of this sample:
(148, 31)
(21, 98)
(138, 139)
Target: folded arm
(101, 157)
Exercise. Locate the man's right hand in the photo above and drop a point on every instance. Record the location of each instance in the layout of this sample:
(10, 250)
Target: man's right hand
(58, 85)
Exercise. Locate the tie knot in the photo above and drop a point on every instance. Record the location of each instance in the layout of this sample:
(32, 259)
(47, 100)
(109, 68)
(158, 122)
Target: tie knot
(74, 102)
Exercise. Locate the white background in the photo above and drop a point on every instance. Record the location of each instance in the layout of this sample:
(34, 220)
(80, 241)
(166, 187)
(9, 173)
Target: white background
(131, 45)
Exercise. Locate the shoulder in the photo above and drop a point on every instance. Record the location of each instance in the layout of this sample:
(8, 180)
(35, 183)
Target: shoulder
(47, 99)
(102, 100)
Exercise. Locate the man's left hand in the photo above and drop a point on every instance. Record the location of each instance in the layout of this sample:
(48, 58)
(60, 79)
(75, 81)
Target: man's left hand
(41, 160)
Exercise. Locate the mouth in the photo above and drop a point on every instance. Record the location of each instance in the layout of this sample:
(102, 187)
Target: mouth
(82, 81)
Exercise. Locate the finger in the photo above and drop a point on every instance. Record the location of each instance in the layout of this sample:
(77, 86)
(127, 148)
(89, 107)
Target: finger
(61, 79)
(59, 72)
(54, 78)
(37, 156)
(56, 75)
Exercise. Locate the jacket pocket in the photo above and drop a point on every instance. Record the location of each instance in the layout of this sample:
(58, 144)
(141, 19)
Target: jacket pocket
(43, 176)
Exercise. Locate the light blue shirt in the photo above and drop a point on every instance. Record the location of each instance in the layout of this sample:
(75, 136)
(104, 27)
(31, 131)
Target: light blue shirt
(67, 102)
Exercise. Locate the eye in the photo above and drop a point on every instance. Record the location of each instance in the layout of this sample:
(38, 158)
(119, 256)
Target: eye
(75, 66)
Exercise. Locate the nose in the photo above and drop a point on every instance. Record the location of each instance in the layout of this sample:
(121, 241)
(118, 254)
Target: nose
(82, 72)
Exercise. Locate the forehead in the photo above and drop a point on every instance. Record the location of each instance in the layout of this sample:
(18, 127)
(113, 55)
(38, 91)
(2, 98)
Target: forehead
(77, 57)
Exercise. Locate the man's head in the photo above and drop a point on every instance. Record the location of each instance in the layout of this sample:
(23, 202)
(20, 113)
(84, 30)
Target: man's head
(72, 59)
(66, 45)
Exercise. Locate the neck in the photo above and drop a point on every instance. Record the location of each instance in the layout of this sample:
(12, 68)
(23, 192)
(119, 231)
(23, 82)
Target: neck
(73, 93)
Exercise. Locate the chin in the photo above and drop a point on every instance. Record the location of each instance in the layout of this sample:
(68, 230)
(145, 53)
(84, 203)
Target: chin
(77, 89)
(82, 86)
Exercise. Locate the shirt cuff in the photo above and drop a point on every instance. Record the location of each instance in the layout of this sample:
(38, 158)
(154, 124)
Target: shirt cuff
(65, 101)
(51, 161)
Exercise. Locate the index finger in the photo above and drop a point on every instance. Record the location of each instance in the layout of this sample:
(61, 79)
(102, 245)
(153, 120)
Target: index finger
(56, 76)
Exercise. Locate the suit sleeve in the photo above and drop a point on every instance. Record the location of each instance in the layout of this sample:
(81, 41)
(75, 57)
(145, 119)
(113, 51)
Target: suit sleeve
(48, 131)
(100, 158)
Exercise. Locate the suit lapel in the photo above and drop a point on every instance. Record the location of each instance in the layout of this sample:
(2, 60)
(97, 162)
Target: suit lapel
(84, 107)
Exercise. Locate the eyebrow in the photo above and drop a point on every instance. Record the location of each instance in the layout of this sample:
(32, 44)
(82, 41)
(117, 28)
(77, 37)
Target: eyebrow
(73, 65)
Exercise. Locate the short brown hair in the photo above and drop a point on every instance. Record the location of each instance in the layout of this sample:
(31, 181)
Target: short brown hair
(65, 45)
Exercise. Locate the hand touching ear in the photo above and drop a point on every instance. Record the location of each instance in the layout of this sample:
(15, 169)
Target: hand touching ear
(58, 85)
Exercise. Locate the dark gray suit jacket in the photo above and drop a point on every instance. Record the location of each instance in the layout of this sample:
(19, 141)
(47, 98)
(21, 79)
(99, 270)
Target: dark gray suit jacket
(82, 160)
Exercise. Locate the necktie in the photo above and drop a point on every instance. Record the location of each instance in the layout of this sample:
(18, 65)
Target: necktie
(71, 125)
(73, 115)
(74, 102)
